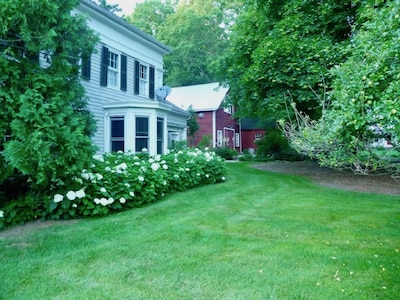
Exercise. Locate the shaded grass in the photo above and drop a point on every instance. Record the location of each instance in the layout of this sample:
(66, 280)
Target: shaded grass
(260, 235)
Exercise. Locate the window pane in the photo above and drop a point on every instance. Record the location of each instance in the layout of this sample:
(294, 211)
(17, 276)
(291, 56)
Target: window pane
(160, 128)
(141, 143)
(142, 127)
(142, 80)
(117, 127)
(117, 134)
(117, 146)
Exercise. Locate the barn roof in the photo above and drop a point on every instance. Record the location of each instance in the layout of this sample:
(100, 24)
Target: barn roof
(202, 97)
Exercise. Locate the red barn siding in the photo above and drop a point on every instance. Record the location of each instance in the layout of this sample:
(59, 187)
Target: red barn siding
(223, 122)
(248, 138)
(205, 126)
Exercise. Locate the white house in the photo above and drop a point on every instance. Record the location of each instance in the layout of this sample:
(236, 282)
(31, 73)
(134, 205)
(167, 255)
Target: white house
(121, 79)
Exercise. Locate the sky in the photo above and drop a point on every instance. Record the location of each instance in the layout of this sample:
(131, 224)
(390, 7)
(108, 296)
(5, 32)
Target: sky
(126, 5)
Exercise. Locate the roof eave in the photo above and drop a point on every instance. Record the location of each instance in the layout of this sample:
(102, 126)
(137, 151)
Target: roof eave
(164, 48)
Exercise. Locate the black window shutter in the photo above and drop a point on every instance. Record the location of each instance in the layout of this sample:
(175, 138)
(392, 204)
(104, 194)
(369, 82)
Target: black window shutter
(123, 72)
(136, 78)
(85, 68)
(104, 66)
(151, 83)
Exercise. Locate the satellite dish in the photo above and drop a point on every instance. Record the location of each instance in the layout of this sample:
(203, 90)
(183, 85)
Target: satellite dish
(162, 92)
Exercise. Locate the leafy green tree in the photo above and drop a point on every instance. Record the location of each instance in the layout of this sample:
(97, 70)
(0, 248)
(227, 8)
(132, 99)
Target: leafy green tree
(364, 102)
(151, 15)
(193, 126)
(197, 30)
(114, 8)
(280, 49)
(44, 121)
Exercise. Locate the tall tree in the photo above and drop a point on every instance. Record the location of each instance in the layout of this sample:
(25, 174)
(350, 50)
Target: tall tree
(151, 15)
(364, 102)
(44, 122)
(197, 30)
(285, 48)
(114, 8)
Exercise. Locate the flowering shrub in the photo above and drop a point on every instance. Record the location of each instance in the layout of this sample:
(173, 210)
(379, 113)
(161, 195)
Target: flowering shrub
(119, 181)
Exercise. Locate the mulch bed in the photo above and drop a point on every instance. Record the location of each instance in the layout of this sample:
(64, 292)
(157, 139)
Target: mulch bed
(347, 180)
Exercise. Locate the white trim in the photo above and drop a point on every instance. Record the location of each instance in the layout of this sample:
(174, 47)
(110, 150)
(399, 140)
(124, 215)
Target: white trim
(214, 128)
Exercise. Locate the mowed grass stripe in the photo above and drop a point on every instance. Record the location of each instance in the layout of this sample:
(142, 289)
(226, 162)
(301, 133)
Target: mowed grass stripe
(259, 235)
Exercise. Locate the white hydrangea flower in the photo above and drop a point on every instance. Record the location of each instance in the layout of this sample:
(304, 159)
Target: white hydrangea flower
(165, 167)
(103, 201)
(157, 157)
(74, 205)
(223, 178)
(58, 198)
(151, 160)
(1, 214)
(99, 176)
(132, 194)
(144, 150)
(96, 200)
(80, 194)
(127, 185)
(71, 195)
(176, 160)
(108, 169)
(122, 200)
(103, 190)
(85, 175)
(98, 157)
(140, 178)
(122, 167)
(155, 166)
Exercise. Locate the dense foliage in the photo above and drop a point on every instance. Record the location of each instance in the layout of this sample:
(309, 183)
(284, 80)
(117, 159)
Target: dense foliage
(44, 123)
(197, 30)
(364, 102)
(280, 49)
(119, 181)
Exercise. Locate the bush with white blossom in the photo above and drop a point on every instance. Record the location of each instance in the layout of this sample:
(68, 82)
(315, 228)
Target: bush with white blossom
(119, 181)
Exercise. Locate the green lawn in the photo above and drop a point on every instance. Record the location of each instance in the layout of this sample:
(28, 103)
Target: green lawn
(259, 235)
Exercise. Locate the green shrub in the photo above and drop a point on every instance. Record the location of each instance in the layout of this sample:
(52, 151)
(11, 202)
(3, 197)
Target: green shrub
(180, 145)
(247, 156)
(119, 181)
(205, 141)
(226, 153)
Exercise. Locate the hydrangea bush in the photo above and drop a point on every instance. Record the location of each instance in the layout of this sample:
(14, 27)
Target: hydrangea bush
(119, 181)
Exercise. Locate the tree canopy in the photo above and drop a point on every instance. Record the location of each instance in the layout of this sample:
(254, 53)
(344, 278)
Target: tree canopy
(197, 30)
(285, 48)
(364, 100)
(44, 121)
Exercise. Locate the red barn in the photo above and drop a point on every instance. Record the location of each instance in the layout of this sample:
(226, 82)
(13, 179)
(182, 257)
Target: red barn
(251, 130)
(215, 119)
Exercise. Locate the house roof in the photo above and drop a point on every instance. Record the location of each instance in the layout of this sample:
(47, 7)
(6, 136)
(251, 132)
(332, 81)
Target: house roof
(202, 97)
(126, 25)
(177, 109)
